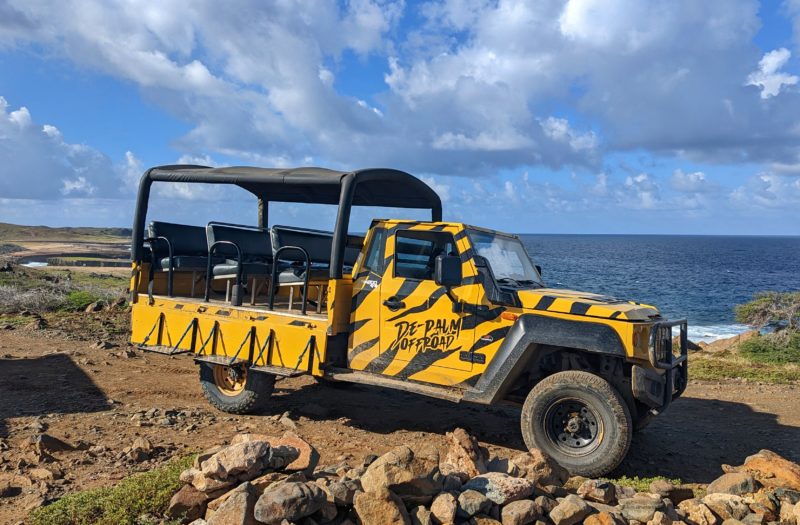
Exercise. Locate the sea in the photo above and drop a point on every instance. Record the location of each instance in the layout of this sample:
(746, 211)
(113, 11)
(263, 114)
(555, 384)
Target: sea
(700, 278)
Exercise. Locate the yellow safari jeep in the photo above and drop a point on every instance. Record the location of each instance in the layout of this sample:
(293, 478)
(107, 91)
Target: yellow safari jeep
(438, 308)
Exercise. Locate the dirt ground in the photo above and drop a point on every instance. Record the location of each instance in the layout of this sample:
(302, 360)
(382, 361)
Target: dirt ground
(101, 399)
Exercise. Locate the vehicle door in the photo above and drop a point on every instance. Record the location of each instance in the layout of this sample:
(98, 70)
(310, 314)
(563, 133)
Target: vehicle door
(421, 334)
(365, 310)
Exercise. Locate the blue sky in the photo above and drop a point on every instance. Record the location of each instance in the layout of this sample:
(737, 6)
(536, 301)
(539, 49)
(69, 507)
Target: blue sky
(578, 116)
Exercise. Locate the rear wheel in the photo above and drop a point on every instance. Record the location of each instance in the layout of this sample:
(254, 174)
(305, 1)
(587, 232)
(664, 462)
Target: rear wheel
(235, 390)
(579, 420)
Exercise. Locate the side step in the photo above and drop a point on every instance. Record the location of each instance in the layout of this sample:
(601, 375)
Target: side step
(227, 361)
(365, 378)
(160, 349)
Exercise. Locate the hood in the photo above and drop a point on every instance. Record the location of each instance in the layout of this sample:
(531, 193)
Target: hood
(583, 303)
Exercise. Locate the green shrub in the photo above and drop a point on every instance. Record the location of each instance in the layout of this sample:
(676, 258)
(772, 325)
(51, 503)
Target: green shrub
(781, 309)
(79, 300)
(145, 493)
(641, 484)
(777, 349)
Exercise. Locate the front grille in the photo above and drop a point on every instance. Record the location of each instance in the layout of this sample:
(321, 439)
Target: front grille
(662, 344)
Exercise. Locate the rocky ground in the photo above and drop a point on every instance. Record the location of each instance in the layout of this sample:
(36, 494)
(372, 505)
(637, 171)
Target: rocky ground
(260, 478)
(78, 412)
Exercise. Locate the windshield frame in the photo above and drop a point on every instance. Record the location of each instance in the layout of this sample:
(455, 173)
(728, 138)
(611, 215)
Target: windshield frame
(532, 279)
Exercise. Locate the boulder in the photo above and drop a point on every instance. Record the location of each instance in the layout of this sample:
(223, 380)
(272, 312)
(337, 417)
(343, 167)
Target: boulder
(501, 488)
(444, 508)
(782, 494)
(789, 513)
(604, 518)
(471, 503)
(421, 516)
(464, 458)
(727, 506)
(738, 483)
(520, 512)
(202, 482)
(756, 518)
(697, 513)
(289, 501)
(667, 489)
(237, 509)
(242, 458)
(204, 455)
(140, 450)
(659, 518)
(414, 477)
(343, 492)
(598, 490)
(772, 470)
(265, 481)
(308, 456)
(545, 504)
(188, 503)
(540, 468)
(569, 511)
(766, 504)
(641, 507)
(506, 466)
(380, 507)
(484, 520)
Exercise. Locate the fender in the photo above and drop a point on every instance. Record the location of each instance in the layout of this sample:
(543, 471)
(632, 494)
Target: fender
(523, 343)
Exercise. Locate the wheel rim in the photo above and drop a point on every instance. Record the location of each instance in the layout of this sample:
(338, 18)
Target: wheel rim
(230, 380)
(572, 427)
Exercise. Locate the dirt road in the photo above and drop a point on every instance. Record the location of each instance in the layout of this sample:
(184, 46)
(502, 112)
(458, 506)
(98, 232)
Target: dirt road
(98, 399)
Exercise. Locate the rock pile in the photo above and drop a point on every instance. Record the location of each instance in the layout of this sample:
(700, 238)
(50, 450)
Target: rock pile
(260, 479)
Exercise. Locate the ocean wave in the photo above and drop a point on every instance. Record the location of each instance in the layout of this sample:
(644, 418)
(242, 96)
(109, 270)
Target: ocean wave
(715, 332)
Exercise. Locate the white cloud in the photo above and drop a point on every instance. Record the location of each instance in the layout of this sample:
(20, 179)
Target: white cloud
(695, 182)
(39, 163)
(768, 190)
(642, 191)
(769, 76)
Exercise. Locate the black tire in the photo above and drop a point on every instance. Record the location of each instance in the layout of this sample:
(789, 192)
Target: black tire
(252, 395)
(580, 420)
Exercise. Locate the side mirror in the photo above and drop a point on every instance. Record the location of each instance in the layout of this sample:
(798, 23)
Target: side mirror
(447, 271)
(539, 270)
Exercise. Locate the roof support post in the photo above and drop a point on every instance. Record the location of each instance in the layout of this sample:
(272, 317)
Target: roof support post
(263, 213)
(346, 193)
(139, 217)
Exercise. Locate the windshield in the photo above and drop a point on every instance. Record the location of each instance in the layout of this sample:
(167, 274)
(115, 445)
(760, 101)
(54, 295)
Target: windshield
(507, 258)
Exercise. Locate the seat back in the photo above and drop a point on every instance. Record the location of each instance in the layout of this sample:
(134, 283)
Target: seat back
(316, 242)
(254, 242)
(185, 239)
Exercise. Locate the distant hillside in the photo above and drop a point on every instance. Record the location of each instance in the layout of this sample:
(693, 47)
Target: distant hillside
(16, 232)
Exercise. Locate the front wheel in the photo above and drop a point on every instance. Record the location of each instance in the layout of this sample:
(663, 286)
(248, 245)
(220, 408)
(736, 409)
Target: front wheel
(579, 420)
(234, 389)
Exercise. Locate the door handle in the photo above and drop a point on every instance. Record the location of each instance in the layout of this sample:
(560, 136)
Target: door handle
(393, 303)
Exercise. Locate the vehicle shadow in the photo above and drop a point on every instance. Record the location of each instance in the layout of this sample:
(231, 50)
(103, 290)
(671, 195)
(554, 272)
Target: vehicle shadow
(690, 441)
(50, 384)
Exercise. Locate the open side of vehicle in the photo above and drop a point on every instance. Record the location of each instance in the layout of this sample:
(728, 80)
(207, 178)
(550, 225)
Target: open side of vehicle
(437, 308)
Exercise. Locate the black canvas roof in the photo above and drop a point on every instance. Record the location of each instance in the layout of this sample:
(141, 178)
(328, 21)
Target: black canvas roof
(373, 187)
(368, 187)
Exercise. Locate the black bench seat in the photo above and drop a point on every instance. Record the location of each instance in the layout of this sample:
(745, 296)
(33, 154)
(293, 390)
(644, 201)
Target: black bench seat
(247, 252)
(178, 247)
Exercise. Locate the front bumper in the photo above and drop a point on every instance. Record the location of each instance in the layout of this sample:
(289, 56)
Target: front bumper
(658, 390)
